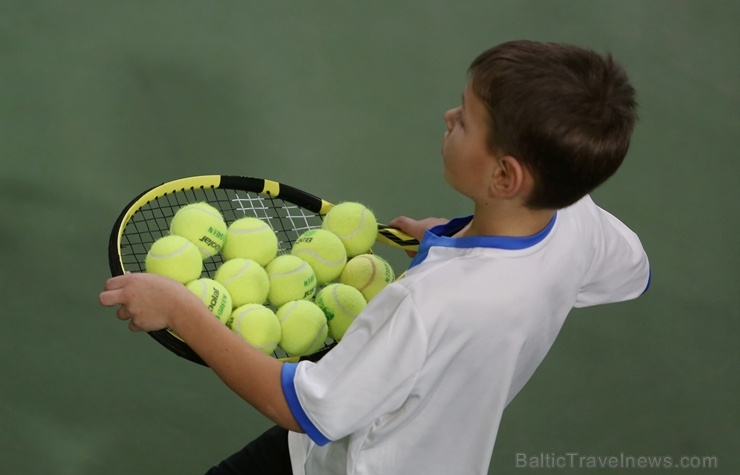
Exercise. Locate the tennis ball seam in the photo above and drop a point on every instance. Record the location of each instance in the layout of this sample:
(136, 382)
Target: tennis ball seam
(209, 239)
(241, 272)
(171, 254)
(216, 302)
(174, 257)
(243, 337)
(354, 233)
(236, 320)
(288, 312)
(318, 337)
(199, 210)
(294, 271)
(318, 257)
(252, 324)
(250, 230)
(202, 288)
(372, 274)
(334, 293)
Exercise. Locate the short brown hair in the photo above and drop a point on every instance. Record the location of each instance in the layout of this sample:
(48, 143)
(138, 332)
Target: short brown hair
(566, 113)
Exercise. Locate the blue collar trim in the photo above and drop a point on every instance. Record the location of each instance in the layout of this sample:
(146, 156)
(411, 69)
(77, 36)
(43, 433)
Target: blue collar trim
(439, 236)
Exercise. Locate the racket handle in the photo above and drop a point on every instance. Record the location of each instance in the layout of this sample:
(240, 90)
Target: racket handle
(396, 238)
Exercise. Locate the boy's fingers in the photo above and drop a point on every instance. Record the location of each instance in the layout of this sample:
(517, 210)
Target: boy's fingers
(113, 290)
(395, 222)
(118, 281)
(410, 226)
(400, 222)
(122, 313)
(109, 298)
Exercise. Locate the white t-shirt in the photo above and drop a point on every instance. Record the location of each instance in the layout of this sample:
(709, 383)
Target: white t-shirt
(420, 381)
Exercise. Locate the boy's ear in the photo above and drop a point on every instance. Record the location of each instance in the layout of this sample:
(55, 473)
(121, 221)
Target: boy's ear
(510, 178)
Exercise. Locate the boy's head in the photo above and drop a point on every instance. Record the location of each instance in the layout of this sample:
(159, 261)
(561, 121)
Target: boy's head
(565, 113)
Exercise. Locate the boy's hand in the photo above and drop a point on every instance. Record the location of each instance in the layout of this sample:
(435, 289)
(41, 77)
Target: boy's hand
(149, 301)
(415, 228)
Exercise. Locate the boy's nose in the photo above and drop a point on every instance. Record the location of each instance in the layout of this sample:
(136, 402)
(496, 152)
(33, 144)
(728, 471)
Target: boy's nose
(449, 117)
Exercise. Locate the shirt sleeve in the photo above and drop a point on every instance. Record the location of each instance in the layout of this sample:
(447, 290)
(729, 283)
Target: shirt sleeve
(619, 269)
(371, 372)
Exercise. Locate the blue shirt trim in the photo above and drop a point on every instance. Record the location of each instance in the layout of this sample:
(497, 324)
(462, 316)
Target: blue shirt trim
(650, 280)
(287, 376)
(440, 236)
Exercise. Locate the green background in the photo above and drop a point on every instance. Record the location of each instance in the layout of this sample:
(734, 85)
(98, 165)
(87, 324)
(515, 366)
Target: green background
(102, 99)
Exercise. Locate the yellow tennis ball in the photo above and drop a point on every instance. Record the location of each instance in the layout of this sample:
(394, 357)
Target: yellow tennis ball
(355, 225)
(368, 273)
(174, 257)
(201, 224)
(245, 280)
(214, 296)
(291, 278)
(324, 251)
(250, 238)
(257, 325)
(304, 327)
(341, 304)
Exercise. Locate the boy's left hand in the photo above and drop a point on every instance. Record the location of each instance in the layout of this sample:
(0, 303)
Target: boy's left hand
(415, 228)
(149, 301)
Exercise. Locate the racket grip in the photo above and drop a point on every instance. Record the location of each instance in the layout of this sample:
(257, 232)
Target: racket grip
(396, 238)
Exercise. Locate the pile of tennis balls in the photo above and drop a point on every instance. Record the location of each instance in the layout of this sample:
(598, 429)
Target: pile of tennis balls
(295, 300)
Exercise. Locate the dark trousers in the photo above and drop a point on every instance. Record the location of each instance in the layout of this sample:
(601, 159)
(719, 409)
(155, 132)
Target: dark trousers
(268, 454)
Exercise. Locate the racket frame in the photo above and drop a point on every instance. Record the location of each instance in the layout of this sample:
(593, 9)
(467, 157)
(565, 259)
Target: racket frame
(263, 187)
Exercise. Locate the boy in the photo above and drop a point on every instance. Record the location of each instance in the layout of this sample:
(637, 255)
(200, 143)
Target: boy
(420, 381)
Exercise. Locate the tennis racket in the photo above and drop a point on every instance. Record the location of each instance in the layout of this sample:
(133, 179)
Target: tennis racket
(289, 211)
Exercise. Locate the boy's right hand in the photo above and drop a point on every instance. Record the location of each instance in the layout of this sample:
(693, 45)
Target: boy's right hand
(415, 228)
(148, 301)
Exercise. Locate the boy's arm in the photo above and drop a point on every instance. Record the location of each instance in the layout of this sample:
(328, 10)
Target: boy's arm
(153, 302)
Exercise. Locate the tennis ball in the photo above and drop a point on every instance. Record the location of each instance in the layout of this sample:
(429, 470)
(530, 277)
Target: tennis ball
(174, 257)
(341, 304)
(214, 296)
(368, 273)
(245, 280)
(250, 238)
(304, 327)
(201, 224)
(291, 278)
(257, 325)
(355, 225)
(324, 251)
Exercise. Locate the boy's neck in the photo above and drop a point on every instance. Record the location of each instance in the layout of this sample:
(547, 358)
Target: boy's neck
(507, 219)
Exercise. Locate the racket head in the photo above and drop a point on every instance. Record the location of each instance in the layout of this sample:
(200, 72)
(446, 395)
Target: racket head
(288, 210)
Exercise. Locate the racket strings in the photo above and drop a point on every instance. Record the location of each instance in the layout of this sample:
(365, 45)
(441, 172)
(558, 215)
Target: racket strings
(286, 219)
(152, 221)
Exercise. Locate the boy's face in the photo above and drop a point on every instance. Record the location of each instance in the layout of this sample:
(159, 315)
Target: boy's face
(468, 165)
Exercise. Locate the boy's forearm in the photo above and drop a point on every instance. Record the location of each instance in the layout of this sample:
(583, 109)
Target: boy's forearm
(251, 374)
